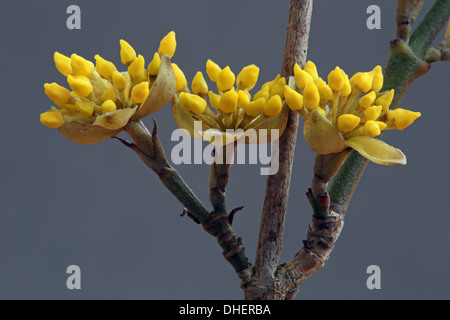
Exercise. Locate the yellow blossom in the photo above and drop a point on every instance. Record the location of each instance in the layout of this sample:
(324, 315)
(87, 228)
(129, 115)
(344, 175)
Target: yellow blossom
(199, 85)
(168, 45)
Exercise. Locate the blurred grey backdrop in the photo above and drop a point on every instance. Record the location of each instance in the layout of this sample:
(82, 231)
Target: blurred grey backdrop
(99, 207)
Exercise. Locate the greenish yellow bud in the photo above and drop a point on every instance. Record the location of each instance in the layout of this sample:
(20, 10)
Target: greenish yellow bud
(109, 95)
(336, 79)
(104, 68)
(311, 96)
(371, 129)
(225, 79)
(180, 78)
(248, 77)
(63, 63)
(263, 93)
(277, 87)
(140, 92)
(293, 98)
(119, 80)
(402, 118)
(385, 100)
(192, 103)
(347, 88)
(362, 81)
(229, 101)
(154, 65)
(214, 100)
(168, 45)
(348, 122)
(52, 119)
(367, 100)
(378, 79)
(301, 77)
(81, 66)
(310, 67)
(373, 112)
(212, 70)
(255, 108)
(57, 93)
(108, 106)
(127, 53)
(244, 98)
(199, 85)
(324, 90)
(136, 70)
(273, 106)
(85, 108)
(80, 85)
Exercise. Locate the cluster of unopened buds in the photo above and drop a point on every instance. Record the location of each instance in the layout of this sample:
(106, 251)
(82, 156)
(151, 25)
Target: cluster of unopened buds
(102, 100)
(347, 112)
(338, 114)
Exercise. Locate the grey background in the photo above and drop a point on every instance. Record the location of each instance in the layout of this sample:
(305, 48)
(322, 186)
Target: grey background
(100, 208)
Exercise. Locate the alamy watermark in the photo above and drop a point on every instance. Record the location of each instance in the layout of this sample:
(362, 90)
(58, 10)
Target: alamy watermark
(191, 151)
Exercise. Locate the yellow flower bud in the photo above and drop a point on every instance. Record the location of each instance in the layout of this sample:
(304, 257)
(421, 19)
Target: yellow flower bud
(57, 93)
(362, 81)
(154, 65)
(119, 80)
(243, 98)
(311, 96)
(81, 66)
(108, 106)
(214, 100)
(127, 53)
(336, 79)
(199, 85)
(324, 90)
(179, 77)
(225, 79)
(371, 129)
(378, 79)
(263, 93)
(256, 107)
(301, 77)
(273, 106)
(80, 85)
(373, 112)
(228, 102)
(85, 108)
(63, 63)
(212, 70)
(104, 67)
(347, 88)
(109, 95)
(310, 67)
(367, 100)
(348, 122)
(293, 98)
(323, 112)
(277, 87)
(136, 69)
(52, 119)
(402, 117)
(192, 102)
(381, 125)
(248, 77)
(168, 45)
(140, 92)
(385, 100)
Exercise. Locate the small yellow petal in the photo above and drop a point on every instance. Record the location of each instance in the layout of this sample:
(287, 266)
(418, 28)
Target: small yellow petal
(371, 129)
(127, 53)
(214, 100)
(381, 125)
(324, 90)
(168, 45)
(336, 79)
(81, 66)
(109, 95)
(85, 108)
(140, 92)
(277, 88)
(256, 107)
(385, 100)
(402, 117)
(373, 112)
(119, 80)
(310, 67)
(80, 85)
(108, 106)
(301, 77)
(57, 93)
(225, 79)
(63, 63)
(347, 89)
(367, 100)
(323, 112)
(199, 85)
(184, 102)
(52, 119)
(311, 96)
(136, 69)
(104, 68)
(212, 70)
(243, 98)
(348, 122)
(263, 93)
(273, 106)
(192, 102)
(378, 79)
(154, 65)
(179, 77)
(293, 98)
(248, 77)
(228, 102)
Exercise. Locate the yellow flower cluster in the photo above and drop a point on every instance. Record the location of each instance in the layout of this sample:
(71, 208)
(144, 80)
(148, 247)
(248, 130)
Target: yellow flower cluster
(101, 90)
(339, 113)
(234, 106)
